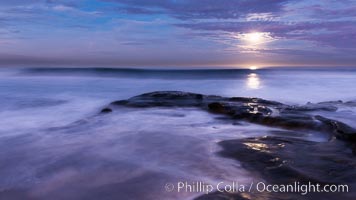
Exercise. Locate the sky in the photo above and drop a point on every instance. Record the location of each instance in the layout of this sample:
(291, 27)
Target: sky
(126, 33)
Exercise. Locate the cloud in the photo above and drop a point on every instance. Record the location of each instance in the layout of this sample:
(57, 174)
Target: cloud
(347, 9)
(139, 31)
(276, 27)
(62, 8)
(20, 2)
(337, 34)
(317, 23)
(203, 9)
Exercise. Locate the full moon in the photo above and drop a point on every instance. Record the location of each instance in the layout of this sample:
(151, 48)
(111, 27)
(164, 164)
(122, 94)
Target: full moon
(253, 67)
(255, 37)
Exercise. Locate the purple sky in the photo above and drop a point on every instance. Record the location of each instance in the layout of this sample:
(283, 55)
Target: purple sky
(178, 32)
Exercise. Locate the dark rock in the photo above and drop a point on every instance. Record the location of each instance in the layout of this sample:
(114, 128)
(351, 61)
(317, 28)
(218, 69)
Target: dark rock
(163, 99)
(251, 110)
(350, 103)
(255, 110)
(331, 102)
(255, 100)
(286, 122)
(311, 107)
(220, 108)
(287, 160)
(353, 149)
(240, 110)
(270, 156)
(106, 110)
(288, 133)
(169, 95)
(121, 102)
(340, 130)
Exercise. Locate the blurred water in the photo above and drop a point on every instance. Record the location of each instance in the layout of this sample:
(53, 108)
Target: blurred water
(53, 146)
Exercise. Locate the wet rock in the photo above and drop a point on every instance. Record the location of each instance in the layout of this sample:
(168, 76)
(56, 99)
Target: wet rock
(255, 110)
(311, 107)
(251, 110)
(350, 103)
(340, 130)
(353, 149)
(163, 99)
(240, 110)
(288, 133)
(255, 100)
(284, 121)
(283, 160)
(106, 110)
(168, 95)
(120, 102)
(221, 108)
(331, 102)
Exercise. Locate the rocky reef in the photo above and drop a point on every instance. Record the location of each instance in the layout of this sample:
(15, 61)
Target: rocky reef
(254, 110)
(276, 159)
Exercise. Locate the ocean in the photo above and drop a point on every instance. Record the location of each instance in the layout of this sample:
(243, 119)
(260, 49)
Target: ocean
(55, 145)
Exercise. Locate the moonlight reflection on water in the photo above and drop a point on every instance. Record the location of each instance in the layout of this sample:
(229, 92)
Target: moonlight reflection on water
(253, 81)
